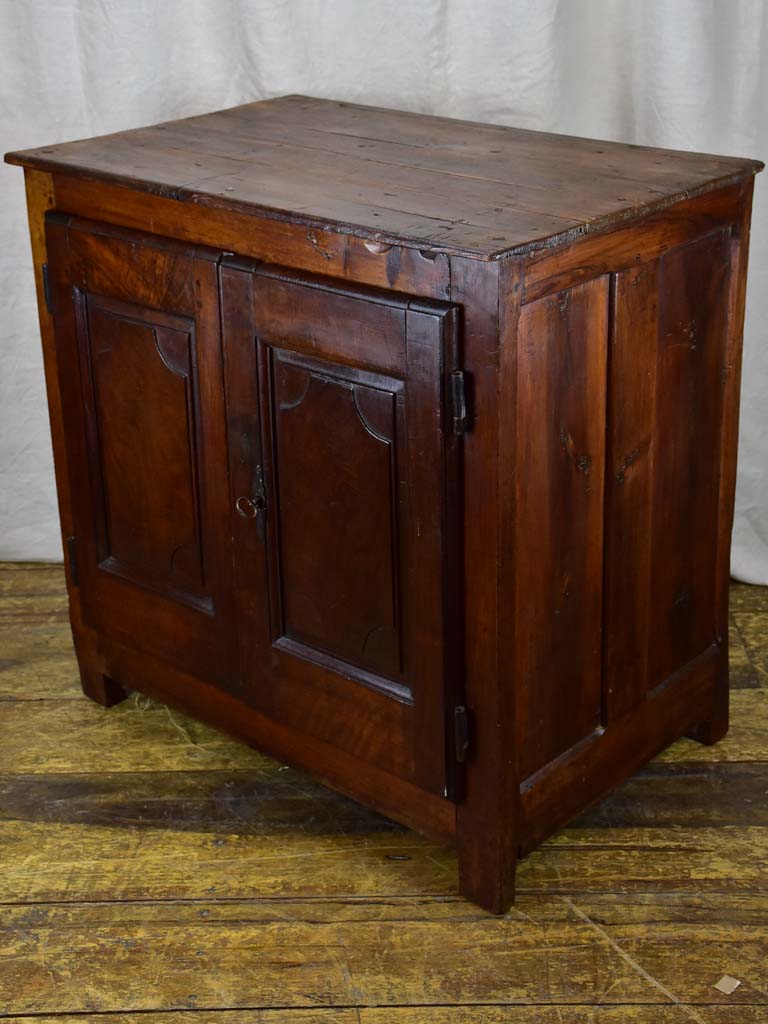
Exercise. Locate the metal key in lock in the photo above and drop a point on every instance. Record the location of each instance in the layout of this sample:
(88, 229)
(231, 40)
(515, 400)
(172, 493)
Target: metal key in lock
(255, 507)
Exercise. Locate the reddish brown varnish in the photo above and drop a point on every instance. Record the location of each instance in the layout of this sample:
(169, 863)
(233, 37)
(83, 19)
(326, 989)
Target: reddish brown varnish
(276, 514)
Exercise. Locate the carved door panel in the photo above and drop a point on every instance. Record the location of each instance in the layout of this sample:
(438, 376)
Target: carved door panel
(343, 461)
(138, 347)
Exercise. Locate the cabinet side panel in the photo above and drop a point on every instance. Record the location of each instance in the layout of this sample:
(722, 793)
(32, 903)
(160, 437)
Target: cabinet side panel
(667, 354)
(673, 375)
(561, 380)
(689, 373)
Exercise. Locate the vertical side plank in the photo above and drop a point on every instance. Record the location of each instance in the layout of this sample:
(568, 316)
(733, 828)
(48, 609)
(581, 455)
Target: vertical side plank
(715, 726)
(510, 309)
(485, 818)
(216, 513)
(244, 447)
(739, 254)
(430, 350)
(629, 488)
(559, 523)
(693, 294)
(41, 197)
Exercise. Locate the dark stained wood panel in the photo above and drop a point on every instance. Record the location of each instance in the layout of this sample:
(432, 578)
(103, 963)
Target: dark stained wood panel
(282, 242)
(631, 445)
(139, 379)
(338, 476)
(359, 330)
(137, 335)
(426, 182)
(338, 413)
(668, 358)
(486, 819)
(559, 526)
(689, 385)
(550, 632)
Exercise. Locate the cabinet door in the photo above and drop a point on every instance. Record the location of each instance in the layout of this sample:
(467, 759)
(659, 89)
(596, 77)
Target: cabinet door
(139, 355)
(343, 469)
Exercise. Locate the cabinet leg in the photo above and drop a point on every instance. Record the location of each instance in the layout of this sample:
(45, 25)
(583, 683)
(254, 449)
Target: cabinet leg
(94, 682)
(715, 726)
(102, 689)
(487, 873)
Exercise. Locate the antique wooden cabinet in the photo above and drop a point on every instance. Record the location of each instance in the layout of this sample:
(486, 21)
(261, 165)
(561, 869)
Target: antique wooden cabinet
(401, 447)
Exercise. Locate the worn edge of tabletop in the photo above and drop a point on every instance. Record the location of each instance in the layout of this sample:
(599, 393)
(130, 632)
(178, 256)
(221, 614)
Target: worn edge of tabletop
(35, 158)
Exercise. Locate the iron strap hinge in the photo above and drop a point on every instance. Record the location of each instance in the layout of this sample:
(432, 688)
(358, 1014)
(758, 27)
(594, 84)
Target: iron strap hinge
(46, 288)
(460, 732)
(458, 401)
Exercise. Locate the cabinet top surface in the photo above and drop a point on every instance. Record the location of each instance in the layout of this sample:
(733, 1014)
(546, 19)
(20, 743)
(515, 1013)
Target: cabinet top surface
(432, 183)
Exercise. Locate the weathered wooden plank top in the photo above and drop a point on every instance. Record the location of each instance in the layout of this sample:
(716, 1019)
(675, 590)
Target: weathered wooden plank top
(426, 182)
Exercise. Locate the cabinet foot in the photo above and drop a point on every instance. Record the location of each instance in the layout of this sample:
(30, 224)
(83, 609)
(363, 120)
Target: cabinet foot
(95, 683)
(710, 731)
(486, 879)
(102, 689)
(715, 726)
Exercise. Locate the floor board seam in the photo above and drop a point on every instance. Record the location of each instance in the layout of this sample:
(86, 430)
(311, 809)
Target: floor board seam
(553, 894)
(381, 1006)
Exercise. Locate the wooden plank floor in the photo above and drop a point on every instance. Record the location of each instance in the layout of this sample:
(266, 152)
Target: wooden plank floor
(154, 871)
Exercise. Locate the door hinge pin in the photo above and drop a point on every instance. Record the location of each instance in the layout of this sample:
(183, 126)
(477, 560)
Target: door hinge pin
(74, 579)
(47, 288)
(458, 403)
(460, 732)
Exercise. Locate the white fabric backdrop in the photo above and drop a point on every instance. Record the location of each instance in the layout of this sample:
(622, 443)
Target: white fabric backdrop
(689, 74)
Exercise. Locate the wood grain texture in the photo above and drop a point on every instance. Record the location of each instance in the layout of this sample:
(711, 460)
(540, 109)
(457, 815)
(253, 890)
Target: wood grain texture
(633, 244)
(629, 490)
(486, 826)
(373, 173)
(452, 606)
(748, 739)
(296, 245)
(336, 406)
(475, 1014)
(143, 957)
(137, 329)
(199, 881)
(479, 634)
(561, 373)
(715, 726)
(689, 371)
(115, 742)
(35, 645)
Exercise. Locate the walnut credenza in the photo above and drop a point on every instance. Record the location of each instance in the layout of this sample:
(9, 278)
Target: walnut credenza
(401, 447)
